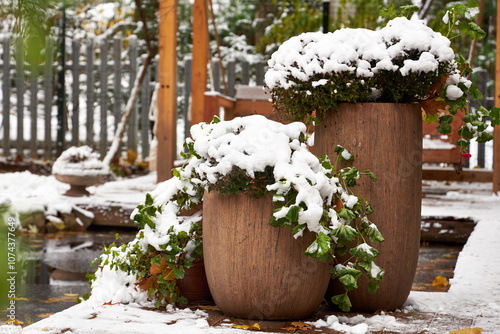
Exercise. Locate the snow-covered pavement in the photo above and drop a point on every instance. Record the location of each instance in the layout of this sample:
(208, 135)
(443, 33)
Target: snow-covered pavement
(473, 298)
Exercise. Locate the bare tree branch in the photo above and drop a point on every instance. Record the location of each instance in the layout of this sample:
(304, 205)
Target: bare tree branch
(120, 130)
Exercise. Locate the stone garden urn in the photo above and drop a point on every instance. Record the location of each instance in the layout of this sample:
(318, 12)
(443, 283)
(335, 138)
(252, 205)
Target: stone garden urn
(80, 168)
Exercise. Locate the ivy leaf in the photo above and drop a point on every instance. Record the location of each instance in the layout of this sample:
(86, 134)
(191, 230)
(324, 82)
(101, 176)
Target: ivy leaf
(325, 162)
(341, 270)
(346, 214)
(149, 200)
(365, 252)
(465, 132)
(297, 229)
(293, 214)
(472, 30)
(343, 154)
(372, 287)
(345, 235)
(495, 116)
(343, 302)
(368, 209)
(371, 175)
(215, 120)
(176, 173)
(372, 270)
(179, 273)
(462, 143)
(430, 119)
(444, 124)
(408, 10)
(374, 234)
(349, 282)
(182, 301)
(475, 93)
(484, 137)
(320, 246)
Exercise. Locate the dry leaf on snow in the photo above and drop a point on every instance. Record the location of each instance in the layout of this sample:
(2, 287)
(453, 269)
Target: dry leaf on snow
(254, 327)
(468, 331)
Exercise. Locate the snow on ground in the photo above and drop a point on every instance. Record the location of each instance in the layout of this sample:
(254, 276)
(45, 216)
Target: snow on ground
(473, 294)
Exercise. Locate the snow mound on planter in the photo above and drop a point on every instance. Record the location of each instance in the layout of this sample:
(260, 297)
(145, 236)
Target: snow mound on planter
(79, 161)
(360, 51)
(253, 143)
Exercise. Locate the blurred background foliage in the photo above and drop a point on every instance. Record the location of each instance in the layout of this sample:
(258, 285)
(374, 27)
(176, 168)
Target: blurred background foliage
(247, 29)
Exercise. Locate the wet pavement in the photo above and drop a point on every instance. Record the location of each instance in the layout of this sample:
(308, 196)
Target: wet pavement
(55, 265)
(52, 270)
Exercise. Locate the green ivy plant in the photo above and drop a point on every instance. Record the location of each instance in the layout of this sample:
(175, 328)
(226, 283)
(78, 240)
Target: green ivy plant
(159, 259)
(322, 91)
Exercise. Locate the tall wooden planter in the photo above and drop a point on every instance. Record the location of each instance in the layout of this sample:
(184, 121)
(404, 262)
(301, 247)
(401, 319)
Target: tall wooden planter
(385, 138)
(254, 270)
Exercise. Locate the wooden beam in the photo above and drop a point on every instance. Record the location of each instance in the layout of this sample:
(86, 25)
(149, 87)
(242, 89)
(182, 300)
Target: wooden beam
(167, 76)
(496, 134)
(200, 58)
(449, 174)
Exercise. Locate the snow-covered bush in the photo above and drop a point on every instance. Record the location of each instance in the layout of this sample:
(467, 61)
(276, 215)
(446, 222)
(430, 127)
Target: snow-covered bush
(258, 156)
(81, 161)
(404, 62)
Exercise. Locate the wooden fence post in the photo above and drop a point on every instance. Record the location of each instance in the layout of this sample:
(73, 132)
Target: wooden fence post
(132, 123)
(103, 99)
(200, 60)
(20, 95)
(145, 114)
(48, 95)
(231, 78)
(167, 96)
(6, 96)
(90, 91)
(187, 95)
(75, 92)
(117, 69)
(496, 134)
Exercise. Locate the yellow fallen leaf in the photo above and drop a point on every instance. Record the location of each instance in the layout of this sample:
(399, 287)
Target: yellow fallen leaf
(440, 281)
(19, 298)
(477, 330)
(14, 322)
(254, 327)
(44, 315)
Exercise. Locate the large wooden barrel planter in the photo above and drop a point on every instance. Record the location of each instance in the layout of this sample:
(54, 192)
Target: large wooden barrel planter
(254, 270)
(385, 138)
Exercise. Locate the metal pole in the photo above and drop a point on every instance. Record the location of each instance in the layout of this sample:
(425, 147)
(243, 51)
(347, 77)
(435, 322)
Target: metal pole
(326, 15)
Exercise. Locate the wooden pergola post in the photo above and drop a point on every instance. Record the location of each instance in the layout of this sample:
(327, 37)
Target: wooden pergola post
(496, 134)
(167, 76)
(200, 60)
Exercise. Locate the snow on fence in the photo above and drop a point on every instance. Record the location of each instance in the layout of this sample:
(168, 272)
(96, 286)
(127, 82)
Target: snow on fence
(97, 88)
(99, 74)
(98, 79)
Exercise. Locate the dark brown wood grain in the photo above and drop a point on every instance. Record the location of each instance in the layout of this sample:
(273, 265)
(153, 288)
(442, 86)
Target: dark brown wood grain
(386, 139)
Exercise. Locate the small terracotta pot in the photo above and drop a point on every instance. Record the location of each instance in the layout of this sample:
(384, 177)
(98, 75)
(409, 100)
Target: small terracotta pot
(194, 285)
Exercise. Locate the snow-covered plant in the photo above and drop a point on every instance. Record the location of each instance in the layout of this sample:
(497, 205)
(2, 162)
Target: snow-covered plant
(81, 160)
(404, 62)
(259, 156)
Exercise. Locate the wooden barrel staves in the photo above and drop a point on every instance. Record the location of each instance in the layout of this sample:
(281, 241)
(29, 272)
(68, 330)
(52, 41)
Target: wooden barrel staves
(254, 270)
(385, 138)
